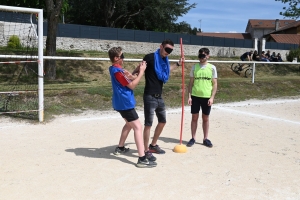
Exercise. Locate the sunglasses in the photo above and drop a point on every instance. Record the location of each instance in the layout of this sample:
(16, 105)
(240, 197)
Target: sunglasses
(121, 56)
(168, 50)
(201, 56)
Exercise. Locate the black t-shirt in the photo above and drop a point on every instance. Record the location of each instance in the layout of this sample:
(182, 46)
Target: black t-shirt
(246, 54)
(152, 84)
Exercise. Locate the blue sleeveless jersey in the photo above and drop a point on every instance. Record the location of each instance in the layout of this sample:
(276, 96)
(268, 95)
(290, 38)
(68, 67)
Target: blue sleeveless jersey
(123, 97)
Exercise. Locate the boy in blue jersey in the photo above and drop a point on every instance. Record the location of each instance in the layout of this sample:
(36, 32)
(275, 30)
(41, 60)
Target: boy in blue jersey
(123, 83)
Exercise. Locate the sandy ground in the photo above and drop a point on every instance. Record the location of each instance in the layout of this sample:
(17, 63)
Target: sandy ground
(255, 156)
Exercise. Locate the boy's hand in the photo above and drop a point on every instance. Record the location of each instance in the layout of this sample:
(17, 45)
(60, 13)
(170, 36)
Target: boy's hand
(143, 66)
(129, 75)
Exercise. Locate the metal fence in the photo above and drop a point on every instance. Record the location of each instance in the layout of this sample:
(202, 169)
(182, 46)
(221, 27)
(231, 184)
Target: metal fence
(105, 33)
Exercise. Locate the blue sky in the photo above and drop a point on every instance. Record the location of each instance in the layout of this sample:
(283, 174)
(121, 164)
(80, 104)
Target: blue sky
(227, 16)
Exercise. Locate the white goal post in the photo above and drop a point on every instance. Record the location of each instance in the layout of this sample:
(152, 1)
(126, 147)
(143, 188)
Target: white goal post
(39, 14)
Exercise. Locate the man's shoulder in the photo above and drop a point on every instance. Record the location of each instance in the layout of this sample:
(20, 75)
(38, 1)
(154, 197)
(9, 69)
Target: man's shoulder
(149, 56)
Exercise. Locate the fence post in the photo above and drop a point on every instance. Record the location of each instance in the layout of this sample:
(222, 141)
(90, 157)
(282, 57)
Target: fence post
(253, 72)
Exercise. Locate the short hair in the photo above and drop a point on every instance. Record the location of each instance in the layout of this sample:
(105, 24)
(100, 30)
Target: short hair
(204, 50)
(113, 52)
(167, 41)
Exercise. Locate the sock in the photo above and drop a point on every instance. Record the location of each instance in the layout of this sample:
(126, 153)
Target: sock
(142, 158)
(121, 148)
(152, 145)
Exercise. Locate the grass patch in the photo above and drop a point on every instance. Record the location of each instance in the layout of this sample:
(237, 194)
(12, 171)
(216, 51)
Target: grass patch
(85, 85)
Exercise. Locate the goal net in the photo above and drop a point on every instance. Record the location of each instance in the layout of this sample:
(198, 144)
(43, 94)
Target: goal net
(21, 62)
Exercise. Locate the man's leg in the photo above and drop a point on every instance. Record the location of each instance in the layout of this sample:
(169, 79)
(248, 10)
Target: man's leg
(161, 117)
(159, 128)
(146, 137)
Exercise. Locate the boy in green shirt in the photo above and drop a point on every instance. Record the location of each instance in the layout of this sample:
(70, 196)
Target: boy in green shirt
(202, 90)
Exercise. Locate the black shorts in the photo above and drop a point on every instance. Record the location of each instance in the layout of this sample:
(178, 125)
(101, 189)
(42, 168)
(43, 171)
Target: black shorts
(130, 115)
(197, 103)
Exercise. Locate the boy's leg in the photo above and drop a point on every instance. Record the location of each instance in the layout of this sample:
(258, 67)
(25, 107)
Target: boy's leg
(138, 136)
(124, 134)
(194, 124)
(195, 109)
(205, 125)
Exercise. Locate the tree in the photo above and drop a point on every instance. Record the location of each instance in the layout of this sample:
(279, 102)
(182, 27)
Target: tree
(293, 11)
(130, 14)
(53, 11)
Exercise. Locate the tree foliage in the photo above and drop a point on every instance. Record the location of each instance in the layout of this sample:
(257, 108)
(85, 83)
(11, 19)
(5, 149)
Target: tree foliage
(152, 15)
(293, 10)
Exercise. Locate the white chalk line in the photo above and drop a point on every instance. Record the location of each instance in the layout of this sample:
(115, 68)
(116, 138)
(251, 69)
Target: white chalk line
(257, 115)
(220, 106)
(12, 126)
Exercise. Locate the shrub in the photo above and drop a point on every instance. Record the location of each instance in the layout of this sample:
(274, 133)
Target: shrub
(14, 42)
(294, 53)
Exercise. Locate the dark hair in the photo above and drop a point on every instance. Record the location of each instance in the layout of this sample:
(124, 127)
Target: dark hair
(204, 50)
(167, 41)
(113, 52)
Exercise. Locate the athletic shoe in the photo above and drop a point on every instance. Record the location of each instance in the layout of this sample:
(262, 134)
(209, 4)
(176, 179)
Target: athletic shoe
(118, 151)
(145, 163)
(156, 149)
(191, 142)
(149, 156)
(207, 143)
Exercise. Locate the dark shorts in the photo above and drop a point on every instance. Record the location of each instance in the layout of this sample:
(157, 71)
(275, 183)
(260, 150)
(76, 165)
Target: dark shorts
(242, 58)
(197, 103)
(130, 115)
(154, 104)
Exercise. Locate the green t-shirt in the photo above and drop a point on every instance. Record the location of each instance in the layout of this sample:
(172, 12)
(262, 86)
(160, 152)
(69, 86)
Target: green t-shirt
(202, 81)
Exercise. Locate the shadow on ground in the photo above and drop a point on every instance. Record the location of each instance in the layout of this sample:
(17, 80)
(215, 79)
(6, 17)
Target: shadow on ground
(104, 152)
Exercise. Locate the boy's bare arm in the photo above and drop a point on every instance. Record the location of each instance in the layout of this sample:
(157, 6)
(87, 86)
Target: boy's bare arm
(135, 82)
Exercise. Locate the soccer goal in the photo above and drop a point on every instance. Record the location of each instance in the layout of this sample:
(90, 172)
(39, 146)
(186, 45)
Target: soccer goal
(21, 62)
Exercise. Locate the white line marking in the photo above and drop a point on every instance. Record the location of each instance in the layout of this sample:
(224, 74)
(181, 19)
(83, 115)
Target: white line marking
(258, 102)
(13, 126)
(257, 115)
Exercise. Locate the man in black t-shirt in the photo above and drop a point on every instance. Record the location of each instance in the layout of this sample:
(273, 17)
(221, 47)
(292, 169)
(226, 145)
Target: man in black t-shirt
(156, 74)
(246, 55)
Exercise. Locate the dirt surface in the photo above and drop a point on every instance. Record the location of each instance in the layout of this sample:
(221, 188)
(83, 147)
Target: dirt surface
(255, 156)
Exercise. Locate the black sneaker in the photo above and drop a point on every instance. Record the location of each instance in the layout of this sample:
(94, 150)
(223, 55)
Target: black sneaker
(191, 142)
(207, 143)
(145, 163)
(149, 156)
(156, 149)
(118, 151)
